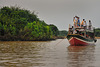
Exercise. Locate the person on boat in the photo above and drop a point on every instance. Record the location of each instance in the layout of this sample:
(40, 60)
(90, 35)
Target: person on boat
(74, 32)
(75, 21)
(78, 23)
(85, 25)
(73, 29)
(77, 31)
(90, 25)
(82, 23)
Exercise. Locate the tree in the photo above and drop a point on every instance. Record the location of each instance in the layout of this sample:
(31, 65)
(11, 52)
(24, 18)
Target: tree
(54, 29)
(21, 24)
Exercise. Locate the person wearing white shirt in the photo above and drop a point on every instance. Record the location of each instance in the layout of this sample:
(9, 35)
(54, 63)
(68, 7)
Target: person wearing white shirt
(85, 25)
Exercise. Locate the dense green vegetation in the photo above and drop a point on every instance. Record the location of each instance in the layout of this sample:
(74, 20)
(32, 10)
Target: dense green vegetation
(97, 32)
(21, 24)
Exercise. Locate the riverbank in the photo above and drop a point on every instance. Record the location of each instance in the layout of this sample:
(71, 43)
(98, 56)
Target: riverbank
(60, 37)
(17, 38)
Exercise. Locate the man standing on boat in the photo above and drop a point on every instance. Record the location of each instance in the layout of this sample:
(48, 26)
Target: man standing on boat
(90, 25)
(75, 21)
(82, 23)
(78, 23)
(85, 25)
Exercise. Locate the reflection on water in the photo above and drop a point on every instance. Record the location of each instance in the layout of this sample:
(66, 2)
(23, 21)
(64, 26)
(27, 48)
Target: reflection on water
(56, 53)
(81, 56)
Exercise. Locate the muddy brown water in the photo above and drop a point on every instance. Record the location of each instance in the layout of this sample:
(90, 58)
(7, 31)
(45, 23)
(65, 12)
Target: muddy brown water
(55, 53)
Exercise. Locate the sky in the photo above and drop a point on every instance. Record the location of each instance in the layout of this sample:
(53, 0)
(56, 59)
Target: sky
(60, 12)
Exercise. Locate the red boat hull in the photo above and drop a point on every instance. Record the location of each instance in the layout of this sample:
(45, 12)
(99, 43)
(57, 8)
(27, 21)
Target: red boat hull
(78, 42)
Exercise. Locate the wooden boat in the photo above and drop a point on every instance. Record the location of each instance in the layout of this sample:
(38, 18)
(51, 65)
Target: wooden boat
(83, 37)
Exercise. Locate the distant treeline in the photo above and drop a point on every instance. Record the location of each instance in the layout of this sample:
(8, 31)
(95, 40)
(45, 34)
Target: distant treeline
(63, 33)
(21, 24)
(97, 32)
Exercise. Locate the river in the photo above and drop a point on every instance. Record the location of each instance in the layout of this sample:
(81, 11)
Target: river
(55, 53)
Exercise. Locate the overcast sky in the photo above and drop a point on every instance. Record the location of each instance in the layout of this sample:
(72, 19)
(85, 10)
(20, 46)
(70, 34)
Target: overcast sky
(60, 12)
